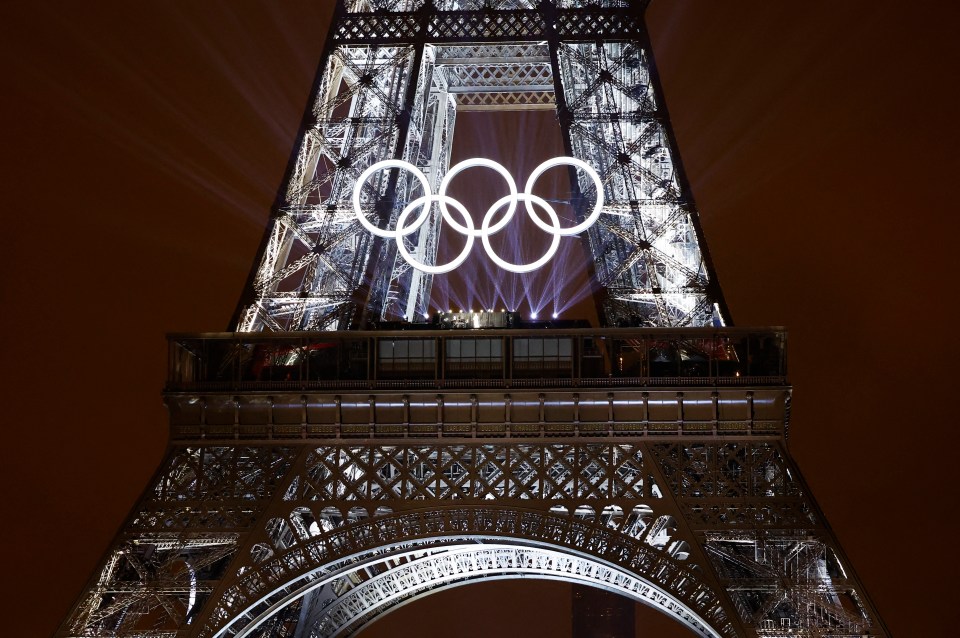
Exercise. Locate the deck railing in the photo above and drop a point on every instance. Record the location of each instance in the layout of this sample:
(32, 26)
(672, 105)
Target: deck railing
(493, 358)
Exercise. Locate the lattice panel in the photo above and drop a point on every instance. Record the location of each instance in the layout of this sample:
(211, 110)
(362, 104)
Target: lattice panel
(285, 568)
(386, 27)
(483, 20)
(520, 75)
(788, 584)
(222, 473)
(749, 514)
(725, 470)
(485, 52)
(154, 585)
(369, 6)
(574, 24)
(416, 472)
(527, 101)
(485, 25)
(481, 5)
(205, 515)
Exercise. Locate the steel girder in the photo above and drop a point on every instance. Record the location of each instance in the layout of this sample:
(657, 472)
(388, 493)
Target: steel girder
(307, 507)
(318, 538)
(311, 512)
(390, 83)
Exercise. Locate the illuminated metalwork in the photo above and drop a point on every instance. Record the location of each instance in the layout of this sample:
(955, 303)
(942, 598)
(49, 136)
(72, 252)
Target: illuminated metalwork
(393, 78)
(317, 480)
(320, 475)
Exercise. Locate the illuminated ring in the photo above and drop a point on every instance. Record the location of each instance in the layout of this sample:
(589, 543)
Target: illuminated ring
(474, 163)
(486, 231)
(390, 234)
(426, 201)
(586, 168)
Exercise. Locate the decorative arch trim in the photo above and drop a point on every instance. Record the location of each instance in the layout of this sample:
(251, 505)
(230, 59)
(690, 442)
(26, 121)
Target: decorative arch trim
(461, 564)
(260, 592)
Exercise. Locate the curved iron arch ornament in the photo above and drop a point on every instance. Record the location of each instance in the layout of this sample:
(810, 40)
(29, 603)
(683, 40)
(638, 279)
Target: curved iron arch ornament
(518, 541)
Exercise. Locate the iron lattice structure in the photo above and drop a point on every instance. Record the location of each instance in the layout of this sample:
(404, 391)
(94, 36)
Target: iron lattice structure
(320, 475)
(393, 78)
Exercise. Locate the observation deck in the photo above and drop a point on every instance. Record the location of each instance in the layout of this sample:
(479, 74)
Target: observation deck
(424, 381)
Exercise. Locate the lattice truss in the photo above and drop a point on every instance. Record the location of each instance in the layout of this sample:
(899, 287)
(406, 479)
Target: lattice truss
(771, 552)
(398, 98)
(356, 511)
(597, 496)
(316, 540)
(179, 542)
(382, 6)
(316, 252)
(646, 249)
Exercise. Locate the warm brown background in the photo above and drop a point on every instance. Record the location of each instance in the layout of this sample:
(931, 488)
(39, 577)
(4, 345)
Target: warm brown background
(143, 142)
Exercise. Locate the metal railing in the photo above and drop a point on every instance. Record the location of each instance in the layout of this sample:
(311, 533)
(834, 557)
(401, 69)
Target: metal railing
(493, 358)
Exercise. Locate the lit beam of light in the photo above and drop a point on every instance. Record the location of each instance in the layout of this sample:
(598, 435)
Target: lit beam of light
(235, 180)
(520, 141)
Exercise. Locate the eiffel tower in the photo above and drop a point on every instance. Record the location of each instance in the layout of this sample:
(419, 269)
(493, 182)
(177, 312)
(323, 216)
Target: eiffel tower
(350, 449)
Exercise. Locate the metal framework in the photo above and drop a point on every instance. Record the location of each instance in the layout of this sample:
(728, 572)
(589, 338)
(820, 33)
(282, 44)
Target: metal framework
(392, 80)
(319, 476)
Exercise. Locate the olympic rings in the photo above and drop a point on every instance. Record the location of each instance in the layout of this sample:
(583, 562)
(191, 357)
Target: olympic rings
(586, 168)
(472, 163)
(390, 234)
(527, 197)
(487, 229)
(426, 200)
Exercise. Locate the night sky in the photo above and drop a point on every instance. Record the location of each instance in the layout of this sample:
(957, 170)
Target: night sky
(142, 145)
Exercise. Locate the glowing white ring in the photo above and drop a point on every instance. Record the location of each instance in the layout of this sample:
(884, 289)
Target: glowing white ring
(426, 201)
(592, 174)
(474, 163)
(528, 198)
(390, 234)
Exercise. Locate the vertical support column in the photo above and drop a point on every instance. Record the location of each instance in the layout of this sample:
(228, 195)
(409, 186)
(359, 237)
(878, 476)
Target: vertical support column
(565, 115)
(430, 150)
(371, 297)
(601, 614)
(648, 256)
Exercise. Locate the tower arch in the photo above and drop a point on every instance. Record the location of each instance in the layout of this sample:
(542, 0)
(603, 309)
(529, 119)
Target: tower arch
(359, 571)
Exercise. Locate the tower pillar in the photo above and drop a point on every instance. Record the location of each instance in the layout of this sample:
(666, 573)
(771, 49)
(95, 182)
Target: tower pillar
(599, 614)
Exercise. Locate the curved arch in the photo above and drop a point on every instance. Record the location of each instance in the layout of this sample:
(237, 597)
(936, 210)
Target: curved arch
(450, 566)
(377, 549)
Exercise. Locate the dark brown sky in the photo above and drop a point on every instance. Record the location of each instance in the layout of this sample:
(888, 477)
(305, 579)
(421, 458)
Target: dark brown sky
(143, 142)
